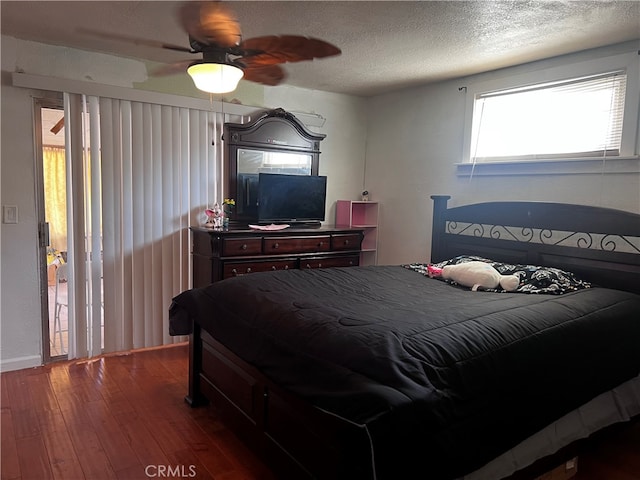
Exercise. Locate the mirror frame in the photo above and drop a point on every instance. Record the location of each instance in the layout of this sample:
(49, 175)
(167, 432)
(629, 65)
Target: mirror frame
(273, 131)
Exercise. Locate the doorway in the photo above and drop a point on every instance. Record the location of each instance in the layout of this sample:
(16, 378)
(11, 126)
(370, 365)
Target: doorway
(52, 212)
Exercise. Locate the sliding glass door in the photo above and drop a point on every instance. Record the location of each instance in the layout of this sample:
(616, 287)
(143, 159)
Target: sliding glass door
(51, 188)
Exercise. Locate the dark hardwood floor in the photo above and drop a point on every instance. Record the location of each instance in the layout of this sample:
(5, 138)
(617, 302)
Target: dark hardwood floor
(124, 417)
(115, 417)
(613, 456)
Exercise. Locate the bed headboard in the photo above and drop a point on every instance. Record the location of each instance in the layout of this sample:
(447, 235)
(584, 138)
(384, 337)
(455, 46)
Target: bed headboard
(601, 245)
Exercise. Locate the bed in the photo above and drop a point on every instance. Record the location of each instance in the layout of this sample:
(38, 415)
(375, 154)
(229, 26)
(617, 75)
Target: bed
(382, 372)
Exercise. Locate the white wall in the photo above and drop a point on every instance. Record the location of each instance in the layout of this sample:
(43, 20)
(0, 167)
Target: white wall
(342, 161)
(415, 138)
(20, 326)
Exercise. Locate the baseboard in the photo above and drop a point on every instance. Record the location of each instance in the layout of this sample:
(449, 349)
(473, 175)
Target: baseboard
(19, 363)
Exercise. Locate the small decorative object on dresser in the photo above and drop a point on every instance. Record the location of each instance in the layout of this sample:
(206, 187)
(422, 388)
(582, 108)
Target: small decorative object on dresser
(228, 204)
(214, 216)
(365, 196)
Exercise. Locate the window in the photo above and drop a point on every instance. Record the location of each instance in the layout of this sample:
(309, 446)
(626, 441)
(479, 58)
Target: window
(523, 144)
(578, 117)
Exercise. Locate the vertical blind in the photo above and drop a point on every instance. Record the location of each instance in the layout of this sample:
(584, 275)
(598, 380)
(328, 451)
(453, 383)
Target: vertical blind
(577, 117)
(157, 167)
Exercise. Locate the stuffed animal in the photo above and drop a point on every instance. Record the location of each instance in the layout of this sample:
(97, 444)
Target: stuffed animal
(476, 275)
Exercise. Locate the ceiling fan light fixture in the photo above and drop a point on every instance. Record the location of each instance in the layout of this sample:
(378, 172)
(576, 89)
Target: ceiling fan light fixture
(215, 77)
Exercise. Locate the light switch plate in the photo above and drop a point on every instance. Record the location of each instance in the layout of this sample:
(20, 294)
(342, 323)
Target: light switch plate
(9, 214)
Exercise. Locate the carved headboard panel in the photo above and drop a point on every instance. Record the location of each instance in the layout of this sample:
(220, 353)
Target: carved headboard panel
(601, 245)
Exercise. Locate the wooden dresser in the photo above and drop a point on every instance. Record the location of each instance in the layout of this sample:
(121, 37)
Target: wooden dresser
(222, 254)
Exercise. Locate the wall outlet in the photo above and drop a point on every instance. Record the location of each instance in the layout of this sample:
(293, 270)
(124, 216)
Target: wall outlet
(9, 214)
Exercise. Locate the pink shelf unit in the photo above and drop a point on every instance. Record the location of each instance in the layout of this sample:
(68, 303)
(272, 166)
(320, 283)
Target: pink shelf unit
(360, 214)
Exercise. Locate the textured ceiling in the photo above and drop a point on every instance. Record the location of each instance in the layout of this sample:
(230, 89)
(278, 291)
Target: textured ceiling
(385, 45)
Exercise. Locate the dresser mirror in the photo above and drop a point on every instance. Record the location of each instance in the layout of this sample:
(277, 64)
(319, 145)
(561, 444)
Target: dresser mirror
(256, 161)
(275, 142)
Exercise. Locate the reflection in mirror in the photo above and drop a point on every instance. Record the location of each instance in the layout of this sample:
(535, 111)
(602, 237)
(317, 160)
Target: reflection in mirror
(252, 162)
(257, 161)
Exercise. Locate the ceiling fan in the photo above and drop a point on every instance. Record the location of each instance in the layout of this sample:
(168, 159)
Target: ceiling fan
(214, 32)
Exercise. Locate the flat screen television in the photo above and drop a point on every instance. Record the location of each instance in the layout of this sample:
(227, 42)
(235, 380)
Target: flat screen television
(291, 198)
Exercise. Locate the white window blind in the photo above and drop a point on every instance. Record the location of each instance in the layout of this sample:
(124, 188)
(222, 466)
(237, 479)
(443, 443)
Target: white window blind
(148, 172)
(581, 117)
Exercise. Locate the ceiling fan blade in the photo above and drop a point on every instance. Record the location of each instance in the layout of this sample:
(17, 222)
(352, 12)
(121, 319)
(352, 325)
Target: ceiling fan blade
(211, 23)
(134, 40)
(58, 126)
(274, 49)
(267, 75)
(172, 68)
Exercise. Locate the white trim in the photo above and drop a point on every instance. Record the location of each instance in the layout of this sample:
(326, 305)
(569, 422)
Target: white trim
(40, 82)
(19, 363)
(594, 166)
(628, 62)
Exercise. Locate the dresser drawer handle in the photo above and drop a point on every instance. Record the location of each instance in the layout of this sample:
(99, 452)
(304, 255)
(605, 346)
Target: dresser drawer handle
(249, 270)
(276, 245)
(235, 272)
(308, 266)
(273, 267)
(286, 267)
(244, 246)
(346, 242)
(320, 244)
(319, 265)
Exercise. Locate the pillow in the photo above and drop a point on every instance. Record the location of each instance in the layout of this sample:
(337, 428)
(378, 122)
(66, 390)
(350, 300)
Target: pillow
(532, 278)
(535, 279)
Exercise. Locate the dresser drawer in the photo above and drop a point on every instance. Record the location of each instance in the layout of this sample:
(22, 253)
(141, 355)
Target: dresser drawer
(234, 269)
(232, 247)
(329, 262)
(347, 241)
(278, 245)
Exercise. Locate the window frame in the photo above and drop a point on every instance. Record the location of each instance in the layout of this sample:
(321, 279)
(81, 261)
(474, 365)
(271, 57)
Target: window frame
(627, 62)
